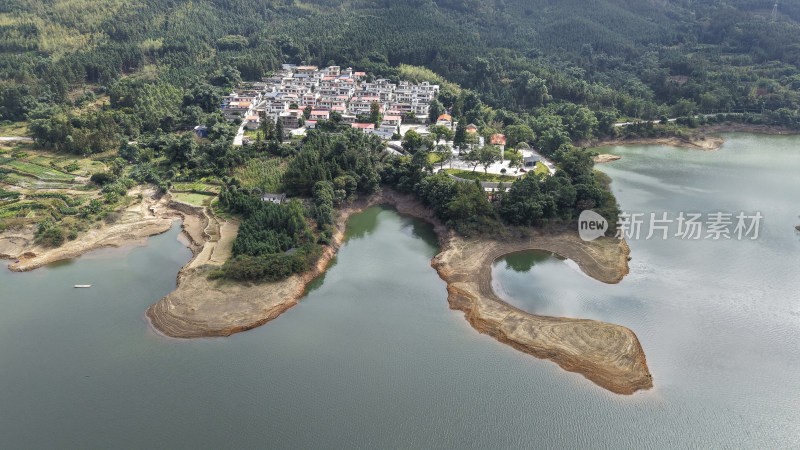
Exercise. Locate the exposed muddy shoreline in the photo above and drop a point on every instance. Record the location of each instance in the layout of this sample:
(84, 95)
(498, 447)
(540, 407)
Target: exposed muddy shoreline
(607, 354)
(701, 138)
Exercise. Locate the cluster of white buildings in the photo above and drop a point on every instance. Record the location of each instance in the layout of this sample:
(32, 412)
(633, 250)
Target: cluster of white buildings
(286, 94)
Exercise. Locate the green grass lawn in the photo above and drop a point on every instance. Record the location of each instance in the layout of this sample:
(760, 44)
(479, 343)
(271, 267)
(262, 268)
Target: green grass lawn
(197, 187)
(479, 175)
(435, 158)
(541, 168)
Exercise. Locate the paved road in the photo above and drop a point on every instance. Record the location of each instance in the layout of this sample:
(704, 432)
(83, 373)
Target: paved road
(237, 141)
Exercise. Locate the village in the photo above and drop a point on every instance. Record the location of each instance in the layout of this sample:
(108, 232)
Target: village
(301, 97)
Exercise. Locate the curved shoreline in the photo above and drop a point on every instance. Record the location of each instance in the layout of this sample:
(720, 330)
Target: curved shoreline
(608, 355)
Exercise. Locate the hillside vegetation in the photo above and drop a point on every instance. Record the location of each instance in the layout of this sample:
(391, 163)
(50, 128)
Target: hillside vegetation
(641, 59)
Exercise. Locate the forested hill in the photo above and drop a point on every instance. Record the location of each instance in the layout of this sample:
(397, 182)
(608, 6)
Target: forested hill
(642, 59)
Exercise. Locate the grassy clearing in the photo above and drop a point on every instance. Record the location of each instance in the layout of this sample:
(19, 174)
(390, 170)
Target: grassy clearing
(541, 168)
(469, 175)
(193, 198)
(263, 173)
(196, 187)
(13, 129)
(435, 158)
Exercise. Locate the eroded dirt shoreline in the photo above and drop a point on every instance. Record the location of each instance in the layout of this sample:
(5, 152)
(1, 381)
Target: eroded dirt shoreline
(150, 216)
(700, 139)
(607, 354)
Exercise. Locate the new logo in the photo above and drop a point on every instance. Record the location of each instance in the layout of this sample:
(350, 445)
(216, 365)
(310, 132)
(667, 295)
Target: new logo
(591, 225)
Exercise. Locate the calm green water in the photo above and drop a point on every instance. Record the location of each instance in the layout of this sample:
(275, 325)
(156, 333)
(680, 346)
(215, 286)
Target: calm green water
(373, 358)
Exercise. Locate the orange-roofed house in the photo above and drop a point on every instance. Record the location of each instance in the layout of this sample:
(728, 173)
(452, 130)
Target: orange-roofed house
(498, 139)
(445, 119)
(472, 128)
(252, 122)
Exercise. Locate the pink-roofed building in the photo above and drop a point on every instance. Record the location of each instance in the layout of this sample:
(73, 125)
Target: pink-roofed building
(310, 124)
(252, 122)
(498, 139)
(306, 69)
(363, 126)
(393, 120)
(320, 115)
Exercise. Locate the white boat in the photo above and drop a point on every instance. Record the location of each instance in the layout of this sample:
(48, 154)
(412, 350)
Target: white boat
(83, 285)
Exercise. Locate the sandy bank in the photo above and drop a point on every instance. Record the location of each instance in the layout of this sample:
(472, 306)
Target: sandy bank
(699, 139)
(699, 142)
(606, 157)
(606, 354)
(150, 216)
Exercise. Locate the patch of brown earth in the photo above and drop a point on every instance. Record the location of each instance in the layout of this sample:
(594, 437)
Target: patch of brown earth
(607, 354)
(606, 157)
(700, 139)
(699, 142)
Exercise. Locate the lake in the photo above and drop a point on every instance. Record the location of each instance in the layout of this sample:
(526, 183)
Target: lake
(373, 357)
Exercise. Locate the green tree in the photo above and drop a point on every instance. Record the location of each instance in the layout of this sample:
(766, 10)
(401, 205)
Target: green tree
(412, 141)
(375, 113)
(436, 110)
(487, 155)
(440, 132)
(460, 137)
(279, 133)
(516, 134)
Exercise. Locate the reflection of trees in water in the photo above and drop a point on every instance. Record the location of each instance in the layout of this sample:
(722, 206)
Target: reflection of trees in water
(424, 231)
(363, 223)
(524, 261)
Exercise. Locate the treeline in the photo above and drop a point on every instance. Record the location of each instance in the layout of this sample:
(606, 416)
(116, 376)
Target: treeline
(532, 200)
(273, 242)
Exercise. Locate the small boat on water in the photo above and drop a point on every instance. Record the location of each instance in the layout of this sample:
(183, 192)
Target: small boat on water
(83, 285)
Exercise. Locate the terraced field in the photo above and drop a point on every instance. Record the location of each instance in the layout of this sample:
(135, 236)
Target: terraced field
(38, 171)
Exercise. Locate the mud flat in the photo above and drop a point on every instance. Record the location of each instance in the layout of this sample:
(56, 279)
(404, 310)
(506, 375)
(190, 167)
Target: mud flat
(607, 354)
(698, 142)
